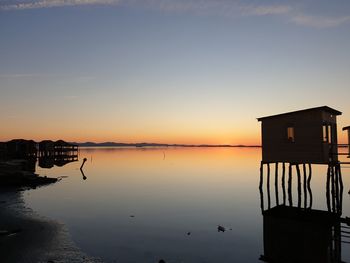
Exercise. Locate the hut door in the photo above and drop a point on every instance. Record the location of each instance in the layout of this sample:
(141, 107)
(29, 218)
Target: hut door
(330, 138)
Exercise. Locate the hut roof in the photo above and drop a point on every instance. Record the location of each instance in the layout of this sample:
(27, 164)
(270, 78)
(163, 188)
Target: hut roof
(21, 141)
(322, 108)
(46, 142)
(61, 143)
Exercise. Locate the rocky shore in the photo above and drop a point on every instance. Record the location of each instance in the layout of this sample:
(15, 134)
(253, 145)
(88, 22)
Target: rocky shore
(17, 173)
(26, 237)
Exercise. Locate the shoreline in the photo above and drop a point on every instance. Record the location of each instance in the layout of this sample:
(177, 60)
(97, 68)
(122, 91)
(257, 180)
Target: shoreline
(30, 238)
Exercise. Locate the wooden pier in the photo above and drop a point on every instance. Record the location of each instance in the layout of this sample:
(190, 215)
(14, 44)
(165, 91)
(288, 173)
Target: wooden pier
(48, 152)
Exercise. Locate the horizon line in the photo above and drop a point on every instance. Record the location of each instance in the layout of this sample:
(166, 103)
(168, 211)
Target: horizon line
(142, 144)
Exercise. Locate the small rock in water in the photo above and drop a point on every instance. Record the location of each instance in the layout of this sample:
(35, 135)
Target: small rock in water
(221, 229)
(161, 261)
(12, 232)
(132, 216)
(188, 233)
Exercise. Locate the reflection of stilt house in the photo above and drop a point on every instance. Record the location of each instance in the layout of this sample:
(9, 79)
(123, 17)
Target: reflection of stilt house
(305, 236)
(57, 153)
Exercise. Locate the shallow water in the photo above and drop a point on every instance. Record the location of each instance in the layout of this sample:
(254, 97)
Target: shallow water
(147, 204)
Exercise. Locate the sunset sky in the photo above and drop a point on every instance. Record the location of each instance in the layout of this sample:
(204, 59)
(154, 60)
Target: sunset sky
(168, 71)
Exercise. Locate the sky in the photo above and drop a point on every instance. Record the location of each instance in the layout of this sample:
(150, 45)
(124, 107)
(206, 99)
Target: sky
(168, 71)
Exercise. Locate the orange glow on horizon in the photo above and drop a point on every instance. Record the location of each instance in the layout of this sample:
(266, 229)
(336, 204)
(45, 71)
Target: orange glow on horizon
(175, 139)
(233, 138)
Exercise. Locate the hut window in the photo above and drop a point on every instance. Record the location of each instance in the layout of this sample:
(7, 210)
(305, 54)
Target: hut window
(290, 134)
(326, 133)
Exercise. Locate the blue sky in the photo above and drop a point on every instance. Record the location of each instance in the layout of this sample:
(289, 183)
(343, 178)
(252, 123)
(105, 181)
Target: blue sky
(161, 70)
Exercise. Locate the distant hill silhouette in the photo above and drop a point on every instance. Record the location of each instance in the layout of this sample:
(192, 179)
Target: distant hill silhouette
(146, 144)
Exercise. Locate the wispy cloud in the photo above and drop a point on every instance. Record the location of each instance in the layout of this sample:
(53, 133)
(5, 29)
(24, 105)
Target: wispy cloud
(220, 7)
(36, 4)
(266, 10)
(80, 79)
(16, 76)
(70, 97)
(291, 11)
(318, 21)
(212, 7)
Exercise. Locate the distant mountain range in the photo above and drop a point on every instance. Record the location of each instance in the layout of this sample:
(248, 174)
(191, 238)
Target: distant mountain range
(145, 144)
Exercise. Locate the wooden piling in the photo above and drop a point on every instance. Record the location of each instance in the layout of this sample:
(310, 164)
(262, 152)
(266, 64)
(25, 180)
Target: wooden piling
(290, 198)
(268, 186)
(305, 191)
(309, 185)
(299, 185)
(328, 189)
(276, 183)
(284, 182)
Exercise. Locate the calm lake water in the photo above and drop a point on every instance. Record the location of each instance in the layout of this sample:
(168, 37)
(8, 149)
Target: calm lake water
(147, 204)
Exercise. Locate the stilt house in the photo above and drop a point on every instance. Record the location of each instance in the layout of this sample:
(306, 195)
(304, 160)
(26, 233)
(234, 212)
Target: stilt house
(304, 136)
(348, 129)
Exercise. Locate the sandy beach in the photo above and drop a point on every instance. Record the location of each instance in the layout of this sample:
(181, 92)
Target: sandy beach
(27, 237)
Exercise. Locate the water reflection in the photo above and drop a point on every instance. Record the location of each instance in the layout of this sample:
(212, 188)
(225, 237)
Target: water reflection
(137, 206)
(56, 160)
(294, 235)
(300, 233)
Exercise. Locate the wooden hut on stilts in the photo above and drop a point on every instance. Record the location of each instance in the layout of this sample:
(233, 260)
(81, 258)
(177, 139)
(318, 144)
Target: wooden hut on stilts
(293, 142)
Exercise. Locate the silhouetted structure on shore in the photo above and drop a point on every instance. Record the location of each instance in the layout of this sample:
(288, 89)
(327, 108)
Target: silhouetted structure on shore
(20, 148)
(3, 150)
(305, 136)
(46, 148)
(57, 153)
(293, 231)
(49, 153)
(348, 130)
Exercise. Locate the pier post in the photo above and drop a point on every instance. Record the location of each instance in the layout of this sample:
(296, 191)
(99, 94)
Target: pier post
(309, 185)
(305, 191)
(284, 182)
(328, 188)
(333, 188)
(290, 198)
(260, 187)
(268, 186)
(276, 183)
(299, 185)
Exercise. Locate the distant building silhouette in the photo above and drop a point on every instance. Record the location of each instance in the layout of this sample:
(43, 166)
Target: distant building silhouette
(348, 129)
(20, 148)
(46, 147)
(3, 150)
